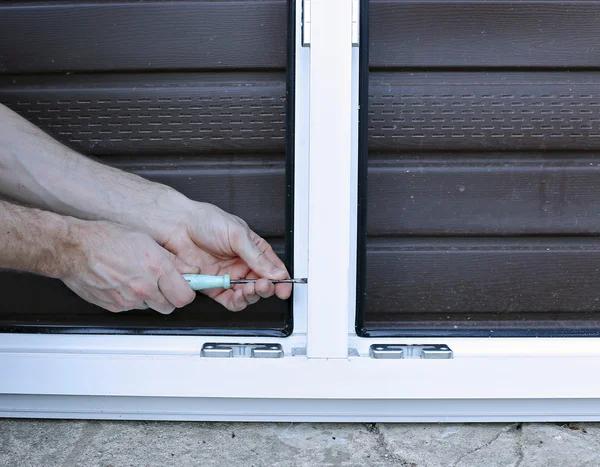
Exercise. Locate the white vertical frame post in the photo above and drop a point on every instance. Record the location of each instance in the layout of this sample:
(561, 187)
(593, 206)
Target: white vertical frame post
(330, 274)
(354, 174)
(301, 154)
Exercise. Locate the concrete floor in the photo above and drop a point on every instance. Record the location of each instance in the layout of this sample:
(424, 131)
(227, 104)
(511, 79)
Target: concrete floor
(50, 443)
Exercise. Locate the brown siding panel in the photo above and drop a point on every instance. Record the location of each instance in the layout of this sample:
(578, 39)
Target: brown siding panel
(509, 282)
(480, 33)
(169, 35)
(484, 194)
(483, 169)
(183, 113)
(500, 111)
(251, 188)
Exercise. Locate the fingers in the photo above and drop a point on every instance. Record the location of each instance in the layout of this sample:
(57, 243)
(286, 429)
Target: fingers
(241, 296)
(174, 288)
(267, 264)
(261, 258)
(238, 301)
(264, 288)
(142, 294)
(159, 303)
(257, 253)
(267, 249)
(183, 267)
(233, 300)
(282, 291)
(250, 294)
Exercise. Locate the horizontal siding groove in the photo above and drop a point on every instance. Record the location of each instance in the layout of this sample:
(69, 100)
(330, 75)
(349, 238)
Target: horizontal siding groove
(478, 244)
(517, 76)
(35, 82)
(255, 163)
(459, 159)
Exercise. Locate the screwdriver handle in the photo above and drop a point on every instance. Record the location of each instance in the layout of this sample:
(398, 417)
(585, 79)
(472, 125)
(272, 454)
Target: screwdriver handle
(203, 282)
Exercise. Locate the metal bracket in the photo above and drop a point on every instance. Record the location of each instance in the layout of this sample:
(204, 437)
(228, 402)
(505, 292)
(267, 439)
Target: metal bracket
(306, 25)
(401, 351)
(214, 350)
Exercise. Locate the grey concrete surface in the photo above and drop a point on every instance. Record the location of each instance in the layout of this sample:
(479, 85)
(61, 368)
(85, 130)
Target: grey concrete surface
(51, 443)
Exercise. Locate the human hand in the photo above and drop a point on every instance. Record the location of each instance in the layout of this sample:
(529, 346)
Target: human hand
(221, 243)
(39, 171)
(120, 269)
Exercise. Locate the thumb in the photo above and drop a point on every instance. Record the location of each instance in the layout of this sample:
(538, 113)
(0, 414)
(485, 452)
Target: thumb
(258, 255)
(182, 266)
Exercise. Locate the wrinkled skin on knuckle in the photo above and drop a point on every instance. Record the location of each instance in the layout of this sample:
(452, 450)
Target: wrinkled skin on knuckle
(141, 290)
(237, 235)
(116, 299)
(241, 222)
(126, 305)
(156, 263)
(264, 245)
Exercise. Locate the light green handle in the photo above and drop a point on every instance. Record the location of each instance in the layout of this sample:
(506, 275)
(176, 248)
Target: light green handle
(203, 282)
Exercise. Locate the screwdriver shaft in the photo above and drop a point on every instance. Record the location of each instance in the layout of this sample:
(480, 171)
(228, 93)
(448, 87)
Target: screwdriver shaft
(280, 281)
(204, 282)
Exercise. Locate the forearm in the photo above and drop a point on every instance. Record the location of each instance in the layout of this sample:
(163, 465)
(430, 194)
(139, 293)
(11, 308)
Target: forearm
(40, 171)
(35, 241)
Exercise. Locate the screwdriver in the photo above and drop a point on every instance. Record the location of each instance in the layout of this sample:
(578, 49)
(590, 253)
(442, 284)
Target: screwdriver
(203, 282)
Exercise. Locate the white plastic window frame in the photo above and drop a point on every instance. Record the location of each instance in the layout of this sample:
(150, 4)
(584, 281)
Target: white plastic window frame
(160, 377)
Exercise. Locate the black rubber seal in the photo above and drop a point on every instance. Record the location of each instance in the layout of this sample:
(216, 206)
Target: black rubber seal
(290, 135)
(363, 160)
